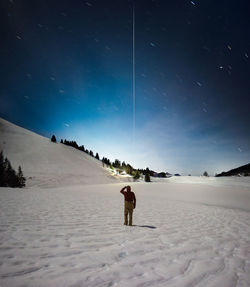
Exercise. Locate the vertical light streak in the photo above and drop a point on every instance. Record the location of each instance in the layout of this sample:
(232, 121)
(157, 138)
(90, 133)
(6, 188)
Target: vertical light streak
(133, 70)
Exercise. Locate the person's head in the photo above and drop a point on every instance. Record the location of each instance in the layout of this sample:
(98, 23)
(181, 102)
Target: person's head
(128, 188)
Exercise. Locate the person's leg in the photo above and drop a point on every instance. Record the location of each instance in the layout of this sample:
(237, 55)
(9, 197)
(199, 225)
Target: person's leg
(125, 214)
(131, 208)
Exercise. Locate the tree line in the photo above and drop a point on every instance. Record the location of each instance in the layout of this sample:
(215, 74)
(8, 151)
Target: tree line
(75, 145)
(8, 176)
(120, 167)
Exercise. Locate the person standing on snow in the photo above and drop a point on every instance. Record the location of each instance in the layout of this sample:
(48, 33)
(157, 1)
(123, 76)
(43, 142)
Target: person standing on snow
(129, 204)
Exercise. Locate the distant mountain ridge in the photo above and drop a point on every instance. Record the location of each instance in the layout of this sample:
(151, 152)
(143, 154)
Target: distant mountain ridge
(243, 170)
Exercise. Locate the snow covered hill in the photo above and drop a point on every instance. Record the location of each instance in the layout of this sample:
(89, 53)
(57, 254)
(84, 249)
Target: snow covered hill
(47, 164)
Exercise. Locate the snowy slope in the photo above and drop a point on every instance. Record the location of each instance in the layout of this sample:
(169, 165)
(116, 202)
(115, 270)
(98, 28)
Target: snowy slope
(74, 236)
(48, 164)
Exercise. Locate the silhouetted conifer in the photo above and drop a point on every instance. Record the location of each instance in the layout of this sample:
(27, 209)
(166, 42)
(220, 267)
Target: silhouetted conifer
(7, 172)
(117, 163)
(137, 174)
(21, 178)
(1, 169)
(147, 175)
(82, 148)
(97, 156)
(61, 141)
(129, 169)
(8, 176)
(53, 139)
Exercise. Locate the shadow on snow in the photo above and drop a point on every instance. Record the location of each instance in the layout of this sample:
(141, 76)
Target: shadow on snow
(146, 226)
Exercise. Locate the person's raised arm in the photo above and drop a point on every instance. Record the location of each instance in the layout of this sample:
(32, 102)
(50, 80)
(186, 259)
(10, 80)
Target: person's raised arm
(123, 190)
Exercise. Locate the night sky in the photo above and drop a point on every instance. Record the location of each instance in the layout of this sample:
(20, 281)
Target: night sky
(66, 69)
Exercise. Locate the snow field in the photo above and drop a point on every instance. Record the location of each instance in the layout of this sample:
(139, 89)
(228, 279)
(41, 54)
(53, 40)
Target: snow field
(74, 236)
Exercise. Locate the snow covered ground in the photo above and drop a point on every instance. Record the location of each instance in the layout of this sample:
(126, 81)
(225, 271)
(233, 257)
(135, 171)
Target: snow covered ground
(184, 235)
(64, 229)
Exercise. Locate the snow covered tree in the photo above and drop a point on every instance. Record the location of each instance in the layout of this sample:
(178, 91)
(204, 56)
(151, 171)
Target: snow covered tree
(53, 139)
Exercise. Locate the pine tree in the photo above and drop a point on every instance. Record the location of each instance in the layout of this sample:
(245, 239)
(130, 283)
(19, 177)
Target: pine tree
(117, 163)
(108, 162)
(205, 173)
(61, 141)
(97, 156)
(53, 139)
(10, 175)
(91, 153)
(147, 175)
(82, 148)
(137, 174)
(21, 178)
(7, 172)
(1, 169)
(129, 169)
